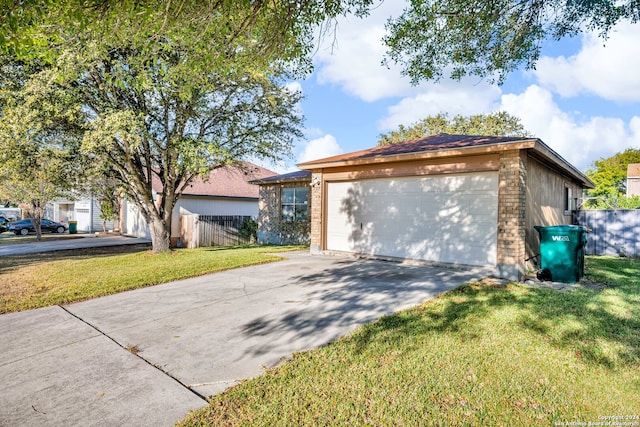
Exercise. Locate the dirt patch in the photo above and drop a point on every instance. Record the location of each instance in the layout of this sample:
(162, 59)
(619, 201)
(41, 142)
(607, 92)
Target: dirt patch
(594, 285)
(533, 281)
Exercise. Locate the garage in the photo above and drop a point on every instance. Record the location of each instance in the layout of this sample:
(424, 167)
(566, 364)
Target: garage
(450, 218)
(451, 199)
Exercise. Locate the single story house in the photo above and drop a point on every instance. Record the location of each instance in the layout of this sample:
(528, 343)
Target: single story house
(633, 179)
(225, 192)
(458, 199)
(284, 207)
(12, 214)
(85, 211)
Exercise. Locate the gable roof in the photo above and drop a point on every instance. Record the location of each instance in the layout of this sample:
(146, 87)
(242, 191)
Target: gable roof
(446, 145)
(633, 170)
(230, 181)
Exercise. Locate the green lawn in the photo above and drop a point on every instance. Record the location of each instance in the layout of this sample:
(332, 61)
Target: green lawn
(478, 355)
(32, 281)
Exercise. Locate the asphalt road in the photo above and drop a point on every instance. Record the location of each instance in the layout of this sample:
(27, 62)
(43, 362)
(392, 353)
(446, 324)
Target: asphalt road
(83, 241)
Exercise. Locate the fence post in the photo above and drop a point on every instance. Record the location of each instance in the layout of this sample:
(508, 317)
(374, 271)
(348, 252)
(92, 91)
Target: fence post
(189, 231)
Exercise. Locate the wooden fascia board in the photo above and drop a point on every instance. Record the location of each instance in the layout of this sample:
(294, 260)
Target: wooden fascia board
(467, 151)
(213, 198)
(553, 159)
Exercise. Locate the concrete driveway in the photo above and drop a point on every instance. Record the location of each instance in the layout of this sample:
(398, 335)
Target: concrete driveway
(149, 356)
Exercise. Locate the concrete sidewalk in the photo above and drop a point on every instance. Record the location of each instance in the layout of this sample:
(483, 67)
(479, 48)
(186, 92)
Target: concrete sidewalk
(83, 241)
(146, 357)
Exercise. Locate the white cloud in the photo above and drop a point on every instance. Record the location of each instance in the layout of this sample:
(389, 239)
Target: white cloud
(294, 87)
(607, 69)
(353, 59)
(319, 148)
(579, 142)
(449, 97)
(353, 64)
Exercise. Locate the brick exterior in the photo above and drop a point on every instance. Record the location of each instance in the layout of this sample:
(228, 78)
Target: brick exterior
(511, 213)
(317, 188)
(531, 188)
(271, 228)
(268, 207)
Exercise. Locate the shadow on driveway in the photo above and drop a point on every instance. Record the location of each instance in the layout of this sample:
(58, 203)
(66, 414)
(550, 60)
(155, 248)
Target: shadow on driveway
(195, 336)
(349, 293)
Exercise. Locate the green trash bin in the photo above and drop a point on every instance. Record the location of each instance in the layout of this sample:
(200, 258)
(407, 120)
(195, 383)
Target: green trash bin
(73, 227)
(562, 251)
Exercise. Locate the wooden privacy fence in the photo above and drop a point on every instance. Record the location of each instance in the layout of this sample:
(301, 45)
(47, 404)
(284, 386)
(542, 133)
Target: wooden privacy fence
(613, 232)
(210, 230)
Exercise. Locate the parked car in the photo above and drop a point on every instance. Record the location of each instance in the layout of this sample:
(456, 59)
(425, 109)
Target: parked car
(3, 223)
(26, 225)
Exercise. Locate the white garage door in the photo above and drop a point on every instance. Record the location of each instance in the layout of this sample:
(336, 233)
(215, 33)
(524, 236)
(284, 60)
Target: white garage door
(445, 218)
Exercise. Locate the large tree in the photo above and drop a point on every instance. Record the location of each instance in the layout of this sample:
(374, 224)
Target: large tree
(494, 124)
(39, 144)
(610, 174)
(170, 90)
(436, 38)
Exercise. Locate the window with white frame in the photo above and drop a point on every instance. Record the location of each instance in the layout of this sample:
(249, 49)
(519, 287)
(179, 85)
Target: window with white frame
(295, 202)
(568, 200)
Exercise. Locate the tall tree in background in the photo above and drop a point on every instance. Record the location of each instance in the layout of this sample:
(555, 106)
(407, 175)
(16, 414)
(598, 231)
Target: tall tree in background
(436, 38)
(494, 124)
(610, 174)
(169, 90)
(39, 142)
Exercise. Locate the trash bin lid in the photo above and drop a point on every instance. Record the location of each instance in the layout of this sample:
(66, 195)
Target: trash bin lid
(560, 228)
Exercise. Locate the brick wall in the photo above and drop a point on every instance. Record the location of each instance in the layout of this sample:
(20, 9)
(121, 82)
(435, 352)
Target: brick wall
(316, 212)
(271, 229)
(268, 207)
(511, 213)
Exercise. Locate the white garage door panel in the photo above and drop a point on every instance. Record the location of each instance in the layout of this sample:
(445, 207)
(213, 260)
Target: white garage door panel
(446, 218)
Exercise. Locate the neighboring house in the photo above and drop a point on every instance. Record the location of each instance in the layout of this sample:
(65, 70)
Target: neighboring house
(284, 209)
(633, 179)
(226, 192)
(85, 211)
(12, 214)
(457, 199)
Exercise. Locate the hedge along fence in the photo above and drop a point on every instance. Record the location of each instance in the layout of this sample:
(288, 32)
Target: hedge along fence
(210, 230)
(613, 232)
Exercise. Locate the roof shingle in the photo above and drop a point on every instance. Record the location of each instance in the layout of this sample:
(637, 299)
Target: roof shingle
(438, 142)
(230, 181)
(287, 177)
(633, 170)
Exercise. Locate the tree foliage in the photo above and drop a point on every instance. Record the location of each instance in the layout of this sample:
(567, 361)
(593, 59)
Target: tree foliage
(494, 124)
(38, 152)
(218, 34)
(434, 38)
(164, 91)
(108, 191)
(604, 202)
(610, 174)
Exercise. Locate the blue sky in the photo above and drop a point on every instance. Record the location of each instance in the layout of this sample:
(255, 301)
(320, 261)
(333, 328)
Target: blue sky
(582, 100)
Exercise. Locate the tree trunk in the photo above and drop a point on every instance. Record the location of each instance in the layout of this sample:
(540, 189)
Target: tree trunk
(160, 235)
(37, 212)
(37, 225)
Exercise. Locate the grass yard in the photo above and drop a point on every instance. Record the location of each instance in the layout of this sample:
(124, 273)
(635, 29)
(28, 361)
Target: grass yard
(478, 355)
(39, 280)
